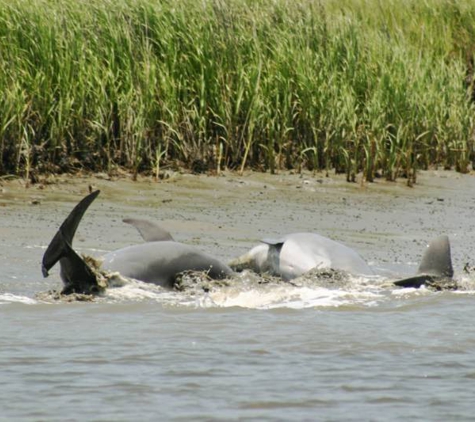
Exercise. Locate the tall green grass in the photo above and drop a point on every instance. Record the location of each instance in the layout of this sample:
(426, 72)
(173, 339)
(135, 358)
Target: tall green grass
(379, 87)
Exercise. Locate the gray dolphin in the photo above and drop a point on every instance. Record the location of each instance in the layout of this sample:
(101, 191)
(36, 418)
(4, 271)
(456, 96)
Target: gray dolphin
(294, 254)
(157, 261)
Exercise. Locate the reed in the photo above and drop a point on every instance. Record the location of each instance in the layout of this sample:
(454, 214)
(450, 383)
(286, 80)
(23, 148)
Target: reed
(353, 86)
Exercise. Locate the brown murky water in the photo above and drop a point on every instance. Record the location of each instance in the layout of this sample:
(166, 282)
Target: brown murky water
(272, 352)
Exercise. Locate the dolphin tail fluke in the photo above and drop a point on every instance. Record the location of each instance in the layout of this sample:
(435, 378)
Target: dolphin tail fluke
(436, 264)
(75, 273)
(77, 276)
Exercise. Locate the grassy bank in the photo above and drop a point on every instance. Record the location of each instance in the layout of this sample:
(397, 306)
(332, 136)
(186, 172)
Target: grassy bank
(382, 87)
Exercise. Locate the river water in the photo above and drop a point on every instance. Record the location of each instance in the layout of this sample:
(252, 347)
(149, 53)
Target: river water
(254, 349)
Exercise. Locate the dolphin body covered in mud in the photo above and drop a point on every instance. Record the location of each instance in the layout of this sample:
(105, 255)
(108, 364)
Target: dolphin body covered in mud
(297, 253)
(157, 261)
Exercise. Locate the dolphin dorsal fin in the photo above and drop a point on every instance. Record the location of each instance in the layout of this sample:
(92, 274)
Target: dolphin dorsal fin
(273, 242)
(436, 264)
(275, 246)
(437, 260)
(149, 231)
(273, 254)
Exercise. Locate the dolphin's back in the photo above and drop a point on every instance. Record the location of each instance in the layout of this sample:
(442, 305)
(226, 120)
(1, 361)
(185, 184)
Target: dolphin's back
(301, 252)
(159, 262)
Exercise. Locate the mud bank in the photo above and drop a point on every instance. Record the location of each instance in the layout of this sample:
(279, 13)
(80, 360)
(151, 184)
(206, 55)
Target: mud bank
(388, 223)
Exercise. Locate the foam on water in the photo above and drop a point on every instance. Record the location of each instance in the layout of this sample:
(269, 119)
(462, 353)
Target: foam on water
(256, 298)
(137, 291)
(252, 291)
(249, 290)
(466, 283)
(292, 297)
(6, 298)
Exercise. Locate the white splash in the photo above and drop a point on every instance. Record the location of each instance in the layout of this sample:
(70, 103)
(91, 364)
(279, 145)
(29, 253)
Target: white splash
(6, 298)
(251, 291)
(254, 292)
(133, 290)
(292, 297)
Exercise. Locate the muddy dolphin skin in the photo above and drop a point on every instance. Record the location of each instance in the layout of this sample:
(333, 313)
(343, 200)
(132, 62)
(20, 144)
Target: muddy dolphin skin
(157, 261)
(435, 269)
(294, 254)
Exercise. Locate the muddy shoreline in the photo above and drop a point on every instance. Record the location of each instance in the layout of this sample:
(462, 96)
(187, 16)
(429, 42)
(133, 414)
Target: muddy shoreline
(388, 223)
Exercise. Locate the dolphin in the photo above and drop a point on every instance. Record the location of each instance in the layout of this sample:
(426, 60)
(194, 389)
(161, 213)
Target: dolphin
(77, 276)
(294, 254)
(435, 267)
(157, 261)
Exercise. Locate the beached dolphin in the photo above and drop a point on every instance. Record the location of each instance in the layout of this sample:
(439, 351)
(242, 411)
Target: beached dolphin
(435, 267)
(294, 254)
(157, 261)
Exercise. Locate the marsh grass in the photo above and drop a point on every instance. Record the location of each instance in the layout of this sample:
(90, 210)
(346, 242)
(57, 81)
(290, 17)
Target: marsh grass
(381, 88)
